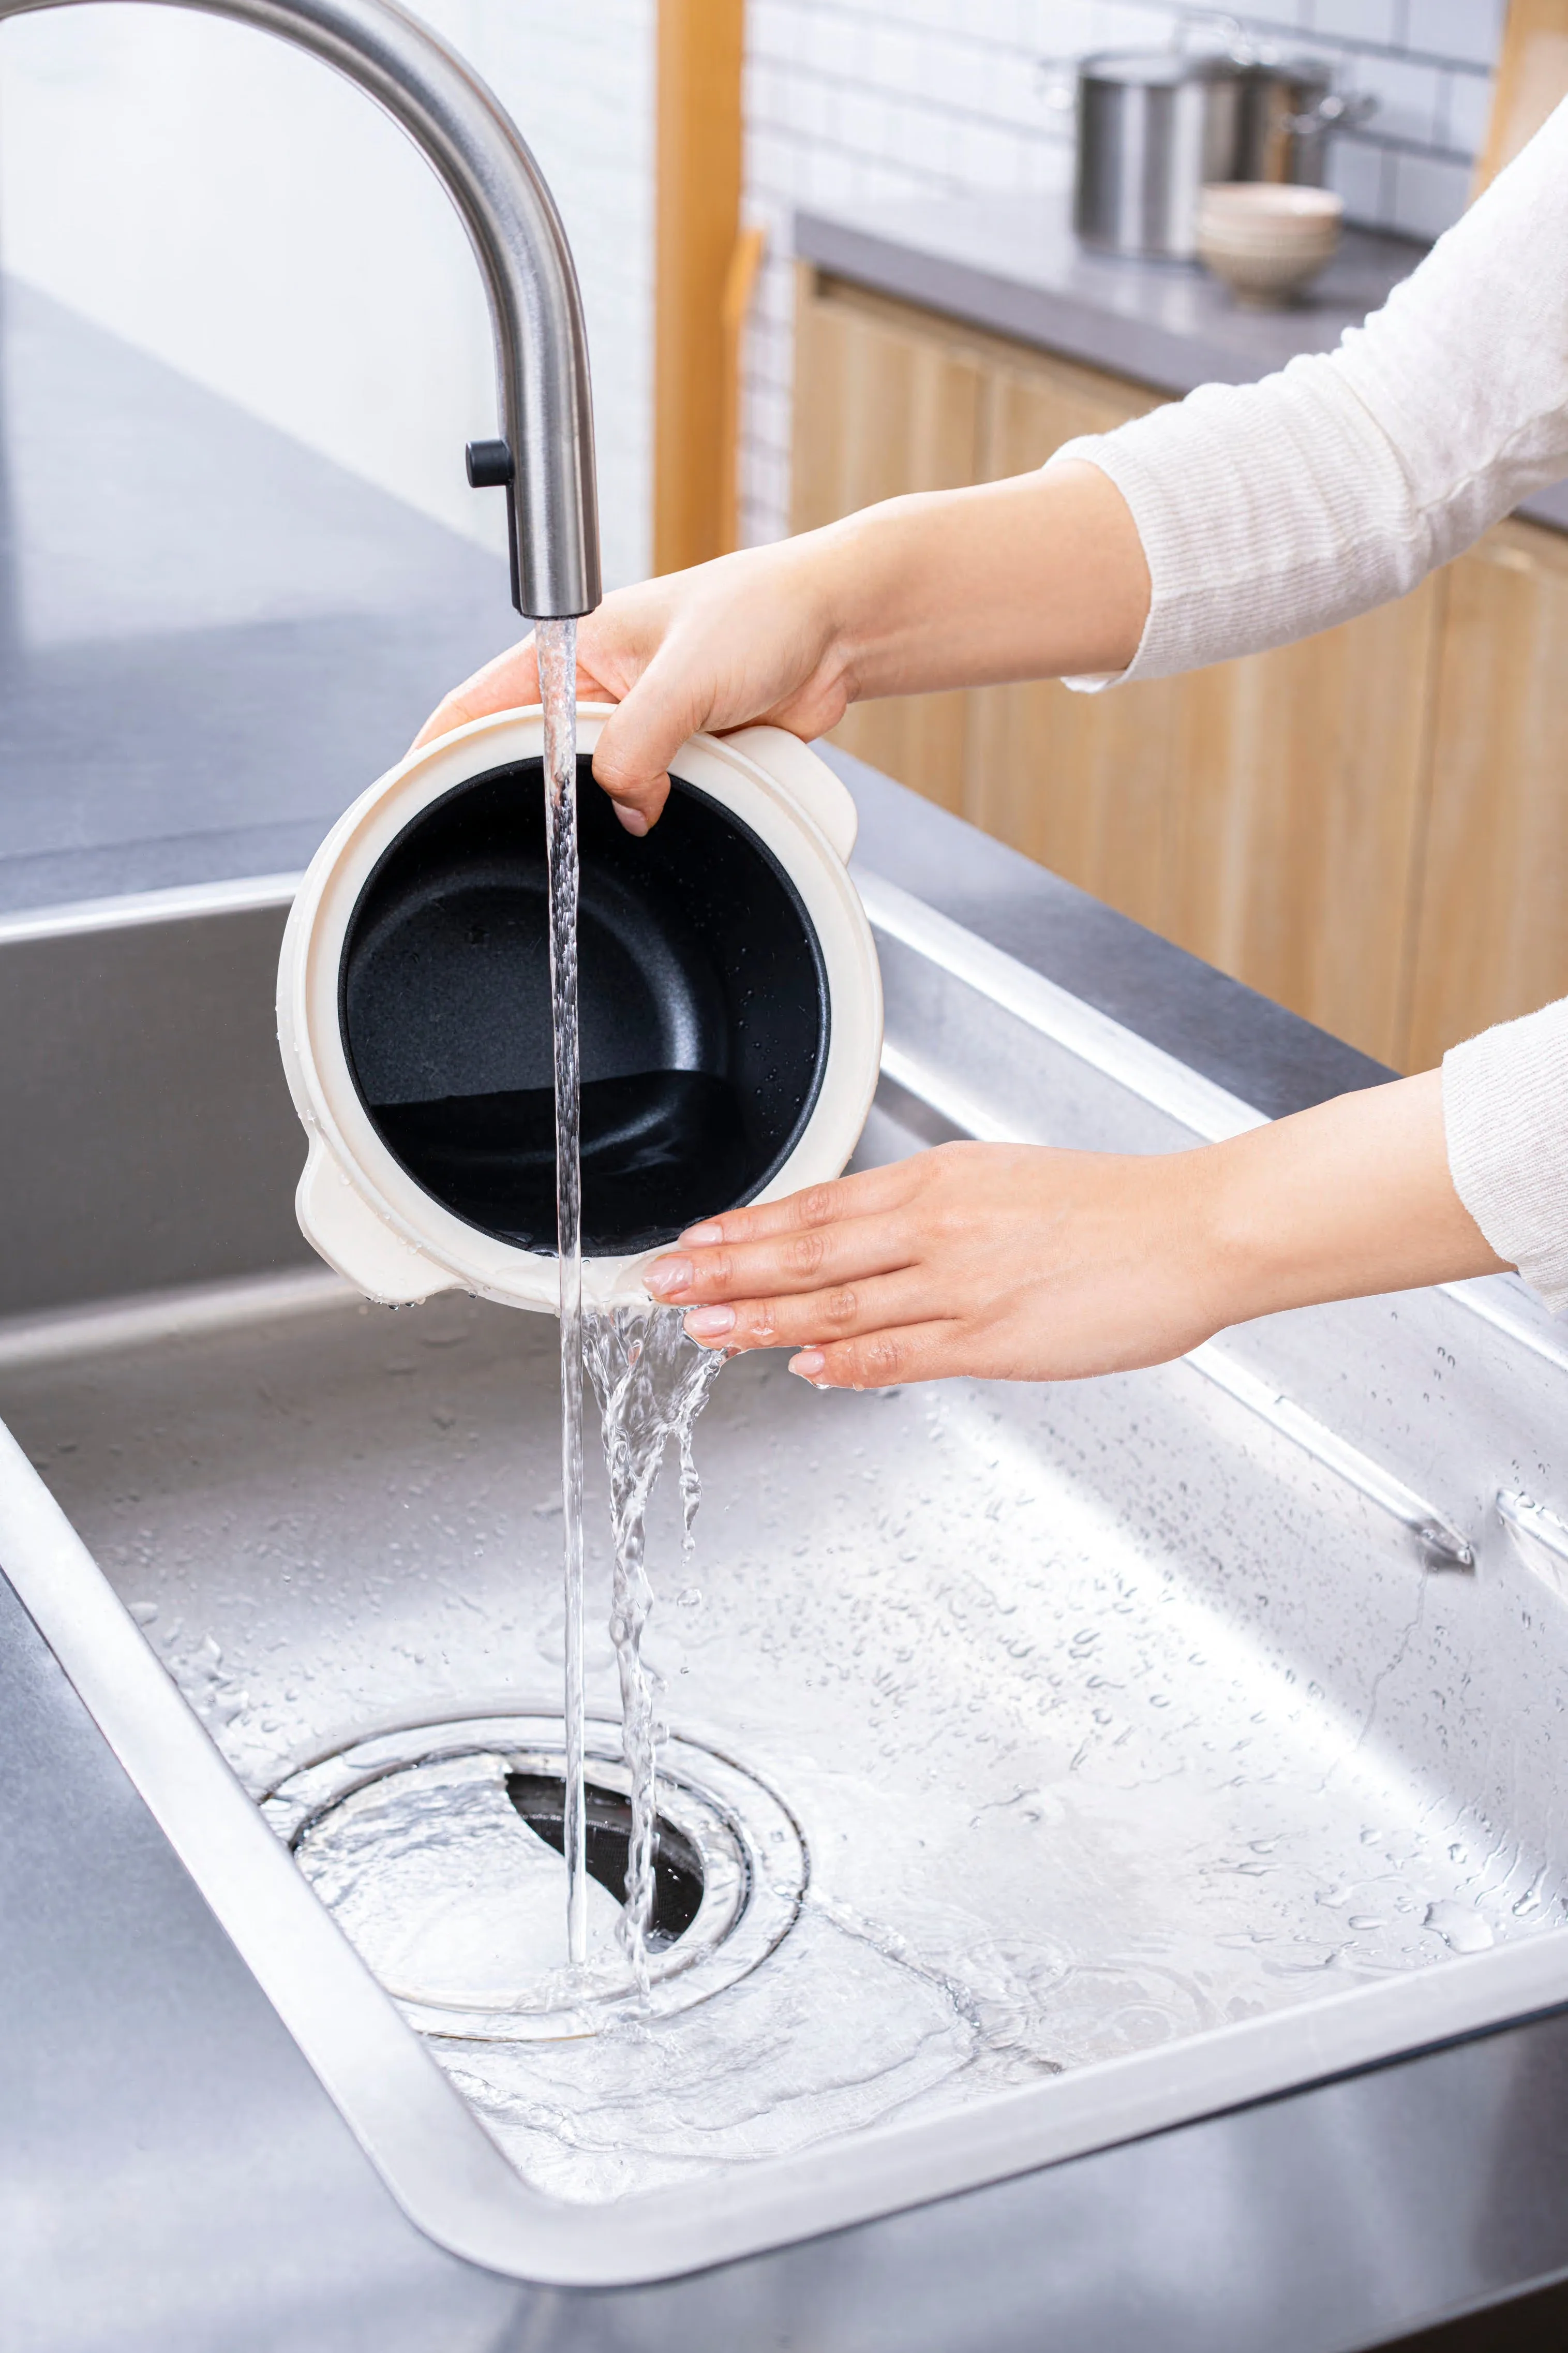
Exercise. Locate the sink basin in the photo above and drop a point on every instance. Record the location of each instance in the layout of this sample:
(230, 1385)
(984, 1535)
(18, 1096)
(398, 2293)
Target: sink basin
(1095, 1756)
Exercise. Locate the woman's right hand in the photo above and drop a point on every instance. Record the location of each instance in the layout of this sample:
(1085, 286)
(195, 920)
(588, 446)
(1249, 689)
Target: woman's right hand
(747, 637)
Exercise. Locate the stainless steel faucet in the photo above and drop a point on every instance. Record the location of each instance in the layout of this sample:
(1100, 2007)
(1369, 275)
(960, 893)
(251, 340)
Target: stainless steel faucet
(545, 455)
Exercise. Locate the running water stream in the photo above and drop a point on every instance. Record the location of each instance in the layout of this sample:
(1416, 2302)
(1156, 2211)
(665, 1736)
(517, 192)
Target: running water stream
(650, 1380)
(651, 1383)
(557, 647)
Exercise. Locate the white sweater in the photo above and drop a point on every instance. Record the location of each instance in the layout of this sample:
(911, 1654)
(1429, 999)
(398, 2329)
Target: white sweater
(1273, 510)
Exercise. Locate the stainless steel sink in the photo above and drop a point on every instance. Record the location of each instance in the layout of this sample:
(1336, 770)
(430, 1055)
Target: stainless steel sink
(1146, 1745)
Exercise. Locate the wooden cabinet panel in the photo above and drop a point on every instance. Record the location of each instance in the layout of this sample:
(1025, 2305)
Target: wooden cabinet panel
(1299, 810)
(1034, 402)
(881, 410)
(1371, 827)
(1083, 783)
(1493, 929)
(884, 404)
(1265, 814)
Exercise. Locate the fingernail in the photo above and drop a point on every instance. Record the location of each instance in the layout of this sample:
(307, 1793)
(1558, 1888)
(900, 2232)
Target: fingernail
(632, 818)
(667, 1274)
(808, 1364)
(709, 1323)
(702, 1237)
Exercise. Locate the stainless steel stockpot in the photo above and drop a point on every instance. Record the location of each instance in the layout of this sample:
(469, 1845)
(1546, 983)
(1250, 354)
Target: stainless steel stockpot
(1155, 126)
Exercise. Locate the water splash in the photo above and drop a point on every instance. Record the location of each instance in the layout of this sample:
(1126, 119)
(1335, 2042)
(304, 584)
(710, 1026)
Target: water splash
(557, 646)
(651, 1383)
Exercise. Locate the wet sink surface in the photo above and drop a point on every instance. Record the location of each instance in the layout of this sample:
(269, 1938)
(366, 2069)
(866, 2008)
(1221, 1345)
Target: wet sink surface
(1106, 1714)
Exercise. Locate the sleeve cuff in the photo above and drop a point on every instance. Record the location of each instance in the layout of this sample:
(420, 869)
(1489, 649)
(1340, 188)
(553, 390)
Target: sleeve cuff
(1505, 1116)
(1086, 450)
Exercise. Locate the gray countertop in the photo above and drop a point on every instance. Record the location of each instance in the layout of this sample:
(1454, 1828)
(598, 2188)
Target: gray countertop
(211, 639)
(1013, 266)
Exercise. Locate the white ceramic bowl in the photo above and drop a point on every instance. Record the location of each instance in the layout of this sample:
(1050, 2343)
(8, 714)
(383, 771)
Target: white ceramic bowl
(358, 1204)
(1267, 240)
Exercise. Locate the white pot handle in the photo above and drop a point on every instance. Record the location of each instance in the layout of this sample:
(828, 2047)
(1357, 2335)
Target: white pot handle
(824, 796)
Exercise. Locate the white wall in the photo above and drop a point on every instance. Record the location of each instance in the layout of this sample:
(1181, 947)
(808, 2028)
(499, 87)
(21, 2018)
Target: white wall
(850, 101)
(233, 207)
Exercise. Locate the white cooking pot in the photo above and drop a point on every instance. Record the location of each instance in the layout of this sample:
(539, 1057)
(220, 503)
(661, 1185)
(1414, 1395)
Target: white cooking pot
(731, 1011)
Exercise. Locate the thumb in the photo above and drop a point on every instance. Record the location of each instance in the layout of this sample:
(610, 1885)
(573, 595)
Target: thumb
(510, 682)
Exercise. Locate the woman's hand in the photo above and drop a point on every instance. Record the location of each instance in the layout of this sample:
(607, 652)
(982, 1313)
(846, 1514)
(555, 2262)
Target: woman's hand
(1015, 1263)
(1029, 578)
(1005, 1260)
(750, 638)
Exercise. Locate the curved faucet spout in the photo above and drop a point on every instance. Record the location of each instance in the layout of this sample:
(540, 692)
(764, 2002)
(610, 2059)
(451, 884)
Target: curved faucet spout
(477, 154)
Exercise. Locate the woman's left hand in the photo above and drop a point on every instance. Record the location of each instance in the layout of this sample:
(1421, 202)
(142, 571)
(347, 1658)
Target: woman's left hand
(1018, 1262)
(1007, 1260)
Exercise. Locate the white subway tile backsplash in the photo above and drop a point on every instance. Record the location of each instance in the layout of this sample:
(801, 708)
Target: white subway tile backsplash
(1118, 25)
(1359, 20)
(1464, 30)
(1058, 28)
(1356, 174)
(1429, 194)
(1280, 16)
(1015, 90)
(1467, 101)
(849, 100)
(1407, 97)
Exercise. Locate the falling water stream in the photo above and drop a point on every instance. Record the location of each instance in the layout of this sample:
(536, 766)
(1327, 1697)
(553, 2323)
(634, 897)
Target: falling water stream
(650, 1380)
(557, 644)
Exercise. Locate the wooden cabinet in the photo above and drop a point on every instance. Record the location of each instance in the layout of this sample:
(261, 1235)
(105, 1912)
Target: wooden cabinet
(881, 410)
(1368, 826)
(1492, 935)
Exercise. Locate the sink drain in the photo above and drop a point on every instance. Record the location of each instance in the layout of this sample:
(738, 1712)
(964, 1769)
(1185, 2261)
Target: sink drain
(678, 1877)
(439, 1849)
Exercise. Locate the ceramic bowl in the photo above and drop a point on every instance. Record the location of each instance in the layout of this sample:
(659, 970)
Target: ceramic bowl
(1266, 240)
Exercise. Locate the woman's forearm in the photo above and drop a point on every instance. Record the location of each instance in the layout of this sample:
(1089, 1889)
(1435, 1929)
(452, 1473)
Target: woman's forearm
(1029, 578)
(1038, 577)
(1352, 1197)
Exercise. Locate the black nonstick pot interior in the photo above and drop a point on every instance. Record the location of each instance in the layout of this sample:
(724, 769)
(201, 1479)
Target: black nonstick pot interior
(703, 1012)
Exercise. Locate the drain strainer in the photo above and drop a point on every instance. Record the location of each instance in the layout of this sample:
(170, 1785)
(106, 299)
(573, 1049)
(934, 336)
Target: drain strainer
(438, 1847)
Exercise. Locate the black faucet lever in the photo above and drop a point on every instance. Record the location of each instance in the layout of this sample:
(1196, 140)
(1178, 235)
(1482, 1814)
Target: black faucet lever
(489, 465)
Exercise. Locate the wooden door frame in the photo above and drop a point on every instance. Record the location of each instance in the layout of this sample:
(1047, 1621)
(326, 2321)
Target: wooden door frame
(702, 46)
(1532, 78)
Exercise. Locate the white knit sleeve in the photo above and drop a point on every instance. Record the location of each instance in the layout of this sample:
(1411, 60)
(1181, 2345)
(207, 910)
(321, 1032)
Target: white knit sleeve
(1270, 511)
(1505, 1110)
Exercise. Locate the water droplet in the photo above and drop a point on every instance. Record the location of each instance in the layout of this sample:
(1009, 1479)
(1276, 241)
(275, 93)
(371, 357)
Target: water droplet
(1460, 1925)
